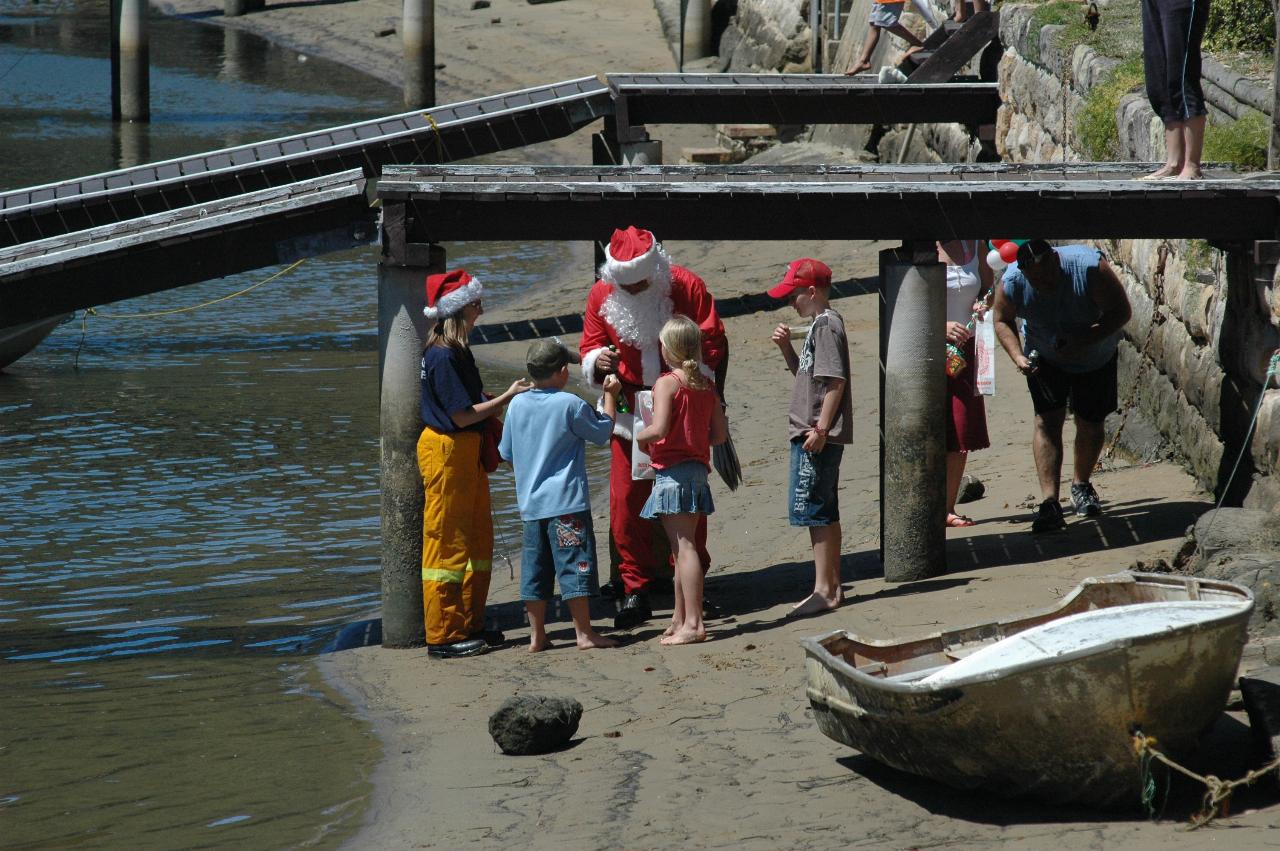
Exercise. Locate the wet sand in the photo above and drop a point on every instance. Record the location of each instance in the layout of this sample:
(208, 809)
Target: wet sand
(713, 745)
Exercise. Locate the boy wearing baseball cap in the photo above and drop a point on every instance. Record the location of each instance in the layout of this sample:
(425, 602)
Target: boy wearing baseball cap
(543, 439)
(819, 423)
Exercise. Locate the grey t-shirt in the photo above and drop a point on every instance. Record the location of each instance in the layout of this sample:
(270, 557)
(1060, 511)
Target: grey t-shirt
(825, 354)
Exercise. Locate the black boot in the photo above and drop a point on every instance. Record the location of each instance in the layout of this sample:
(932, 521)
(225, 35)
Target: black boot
(458, 649)
(634, 611)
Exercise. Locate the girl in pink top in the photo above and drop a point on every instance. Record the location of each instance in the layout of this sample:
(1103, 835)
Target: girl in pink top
(687, 422)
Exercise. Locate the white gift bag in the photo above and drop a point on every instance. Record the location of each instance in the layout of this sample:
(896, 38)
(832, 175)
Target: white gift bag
(985, 343)
(641, 468)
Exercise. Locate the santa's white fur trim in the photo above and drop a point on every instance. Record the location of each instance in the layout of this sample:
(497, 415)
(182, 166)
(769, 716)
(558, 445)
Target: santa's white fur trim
(637, 319)
(589, 368)
(453, 303)
(653, 266)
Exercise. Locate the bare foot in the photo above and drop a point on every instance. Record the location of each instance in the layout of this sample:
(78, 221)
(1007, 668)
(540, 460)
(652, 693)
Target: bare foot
(913, 49)
(685, 635)
(671, 628)
(858, 69)
(593, 640)
(537, 646)
(814, 604)
(1164, 172)
(1189, 174)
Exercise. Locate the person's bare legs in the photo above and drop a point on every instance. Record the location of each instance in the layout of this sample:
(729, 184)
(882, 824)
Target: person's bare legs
(677, 609)
(588, 638)
(868, 47)
(955, 470)
(537, 610)
(1090, 437)
(1173, 158)
(1046, 448)
(1192, 132)
(681, 530)
(827, 593)
(909, 37)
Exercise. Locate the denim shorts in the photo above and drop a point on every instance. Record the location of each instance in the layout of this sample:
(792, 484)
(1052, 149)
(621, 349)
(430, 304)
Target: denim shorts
(814, 496)
(681, 489)
(885, 15)
(561, 548)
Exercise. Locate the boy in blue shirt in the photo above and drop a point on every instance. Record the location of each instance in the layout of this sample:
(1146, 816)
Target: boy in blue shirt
(543, 439)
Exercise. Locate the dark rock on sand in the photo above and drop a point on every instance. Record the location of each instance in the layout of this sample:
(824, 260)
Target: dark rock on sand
(531, 724)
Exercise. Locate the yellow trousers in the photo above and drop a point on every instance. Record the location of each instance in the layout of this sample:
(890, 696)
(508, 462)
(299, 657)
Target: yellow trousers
(457, 535)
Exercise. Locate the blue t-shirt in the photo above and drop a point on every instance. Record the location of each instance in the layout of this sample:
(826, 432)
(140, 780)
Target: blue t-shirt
(1068, 311)
(543, 439)
(450, 383)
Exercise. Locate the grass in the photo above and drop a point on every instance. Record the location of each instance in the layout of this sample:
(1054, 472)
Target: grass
(1243, 142)
(1096, 132)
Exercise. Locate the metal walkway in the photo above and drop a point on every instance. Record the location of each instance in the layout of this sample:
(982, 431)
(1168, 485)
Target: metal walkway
(473, 128)
(1090, 200)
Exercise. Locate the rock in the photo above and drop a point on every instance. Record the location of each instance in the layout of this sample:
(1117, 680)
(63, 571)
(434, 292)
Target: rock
(532, 724)
(1227, 529)
(971, 489)
(480, 4)
(383, 32)
(1261, 693)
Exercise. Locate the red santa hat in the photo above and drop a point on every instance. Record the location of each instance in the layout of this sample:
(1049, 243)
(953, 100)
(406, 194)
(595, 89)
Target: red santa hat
(634, 255)
(449, 292)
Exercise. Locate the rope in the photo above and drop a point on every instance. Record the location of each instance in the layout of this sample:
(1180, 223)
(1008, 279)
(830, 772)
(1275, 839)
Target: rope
(1216, 799)
(1157, 297)
(92, 311)
(439, 142)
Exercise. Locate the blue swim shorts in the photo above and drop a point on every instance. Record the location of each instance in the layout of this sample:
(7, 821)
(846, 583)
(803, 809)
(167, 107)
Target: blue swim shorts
(814, 495)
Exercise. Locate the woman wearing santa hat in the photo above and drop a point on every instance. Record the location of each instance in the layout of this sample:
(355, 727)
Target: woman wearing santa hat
(457, 528)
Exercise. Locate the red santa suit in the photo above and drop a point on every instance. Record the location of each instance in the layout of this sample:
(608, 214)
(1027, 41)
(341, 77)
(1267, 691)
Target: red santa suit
(631, 324)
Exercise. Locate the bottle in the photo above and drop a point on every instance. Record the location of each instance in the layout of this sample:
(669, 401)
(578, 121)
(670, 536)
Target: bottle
(623, 407)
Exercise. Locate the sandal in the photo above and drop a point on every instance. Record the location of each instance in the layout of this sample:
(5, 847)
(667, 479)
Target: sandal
(959, 520)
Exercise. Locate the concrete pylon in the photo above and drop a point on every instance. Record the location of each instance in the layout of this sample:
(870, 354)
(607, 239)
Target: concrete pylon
(130, 55)
(402, 329)
(418, 35)
(913, 406)
(696, 30)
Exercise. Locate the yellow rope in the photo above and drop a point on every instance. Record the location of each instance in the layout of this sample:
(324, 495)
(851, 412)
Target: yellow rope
(439, 142)
(1219, 791)
(287, 269)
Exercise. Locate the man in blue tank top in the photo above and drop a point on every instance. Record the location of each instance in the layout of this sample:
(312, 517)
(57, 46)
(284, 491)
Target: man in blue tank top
(1070, 308)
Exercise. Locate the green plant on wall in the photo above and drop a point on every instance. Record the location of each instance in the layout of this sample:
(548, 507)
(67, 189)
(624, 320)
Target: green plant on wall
(1096, 132)
(1240, 25)
(1243, 142)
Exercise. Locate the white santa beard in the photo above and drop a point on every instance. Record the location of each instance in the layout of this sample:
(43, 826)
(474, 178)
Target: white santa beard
(637, 320)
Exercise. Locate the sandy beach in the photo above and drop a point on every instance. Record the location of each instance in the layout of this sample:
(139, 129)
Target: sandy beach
(714, 745)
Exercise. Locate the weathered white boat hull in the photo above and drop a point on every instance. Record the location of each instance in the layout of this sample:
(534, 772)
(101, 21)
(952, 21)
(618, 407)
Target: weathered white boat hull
(1056, 729)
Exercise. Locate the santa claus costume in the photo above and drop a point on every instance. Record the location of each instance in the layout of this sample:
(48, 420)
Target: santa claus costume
(629, 322)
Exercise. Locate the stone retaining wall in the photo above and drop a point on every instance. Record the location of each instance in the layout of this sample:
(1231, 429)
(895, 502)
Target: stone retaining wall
(1203, 332)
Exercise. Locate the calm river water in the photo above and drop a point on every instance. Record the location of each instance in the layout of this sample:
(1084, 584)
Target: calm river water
(189, 504)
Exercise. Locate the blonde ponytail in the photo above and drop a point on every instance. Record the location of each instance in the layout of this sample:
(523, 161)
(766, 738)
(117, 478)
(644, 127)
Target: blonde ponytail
(682, 338)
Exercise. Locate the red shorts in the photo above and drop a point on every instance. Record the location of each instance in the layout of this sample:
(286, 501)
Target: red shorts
(967, 423)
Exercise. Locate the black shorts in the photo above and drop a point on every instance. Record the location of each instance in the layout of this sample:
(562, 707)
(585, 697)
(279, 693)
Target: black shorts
(1171, 34)
(1090, 395)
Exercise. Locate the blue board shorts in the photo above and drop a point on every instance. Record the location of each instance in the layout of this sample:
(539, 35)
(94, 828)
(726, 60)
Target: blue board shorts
(559, 549)
(814, 495)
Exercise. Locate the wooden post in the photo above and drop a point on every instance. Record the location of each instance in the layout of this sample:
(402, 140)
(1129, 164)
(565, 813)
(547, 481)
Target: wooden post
(235, 8)
(1273, 149)
(402, 329)
(815, 35)
(130, 61)
(418, 35)
(913, 402)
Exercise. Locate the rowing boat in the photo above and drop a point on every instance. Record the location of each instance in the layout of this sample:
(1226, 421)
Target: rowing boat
(1042, 705)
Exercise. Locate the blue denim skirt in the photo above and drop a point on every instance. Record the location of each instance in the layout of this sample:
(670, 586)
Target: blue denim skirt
(681, 489)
